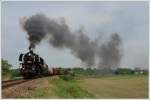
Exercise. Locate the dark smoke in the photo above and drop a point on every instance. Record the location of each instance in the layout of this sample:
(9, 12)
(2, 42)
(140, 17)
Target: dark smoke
(60, 36)
(110, 52)
(37, 28)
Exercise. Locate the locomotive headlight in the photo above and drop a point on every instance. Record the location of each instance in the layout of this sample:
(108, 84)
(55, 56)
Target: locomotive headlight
(29, 54)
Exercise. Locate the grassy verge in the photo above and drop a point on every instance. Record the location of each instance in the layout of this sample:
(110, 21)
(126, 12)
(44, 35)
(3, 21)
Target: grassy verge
(70, 89)
(43, 92)
(59, 87)
(7, 77)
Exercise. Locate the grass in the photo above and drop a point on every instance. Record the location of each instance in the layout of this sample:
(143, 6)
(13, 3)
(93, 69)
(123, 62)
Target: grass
(6, 77)
(121, 86)
(125, 86)
(45, 90)
(57, 87)
(70, 89)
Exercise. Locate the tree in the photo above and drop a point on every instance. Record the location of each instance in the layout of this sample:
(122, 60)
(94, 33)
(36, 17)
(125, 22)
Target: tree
(124, 71)
(5, 67)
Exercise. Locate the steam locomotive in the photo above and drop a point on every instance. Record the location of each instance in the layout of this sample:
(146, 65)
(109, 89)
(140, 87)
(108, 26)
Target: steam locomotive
(32, 65)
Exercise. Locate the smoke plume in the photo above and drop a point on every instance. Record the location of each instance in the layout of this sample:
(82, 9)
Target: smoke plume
(110, 52)
(39, 27)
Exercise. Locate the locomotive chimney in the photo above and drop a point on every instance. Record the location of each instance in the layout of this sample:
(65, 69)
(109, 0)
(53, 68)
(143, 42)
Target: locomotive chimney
(30, 50)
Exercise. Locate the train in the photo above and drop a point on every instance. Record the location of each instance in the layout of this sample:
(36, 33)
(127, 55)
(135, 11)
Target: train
(32, 65)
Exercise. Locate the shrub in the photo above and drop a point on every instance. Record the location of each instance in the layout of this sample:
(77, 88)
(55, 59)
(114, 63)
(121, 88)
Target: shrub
(15, 72)
(67, 77)
(6, 72)
(124, 71)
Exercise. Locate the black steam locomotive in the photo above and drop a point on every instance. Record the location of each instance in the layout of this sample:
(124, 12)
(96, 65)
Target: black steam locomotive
(32, 65)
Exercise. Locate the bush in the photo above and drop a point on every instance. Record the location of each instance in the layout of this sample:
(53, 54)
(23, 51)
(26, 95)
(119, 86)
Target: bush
(15, 72)
(67, 77)
(6, 72)
(124, 71)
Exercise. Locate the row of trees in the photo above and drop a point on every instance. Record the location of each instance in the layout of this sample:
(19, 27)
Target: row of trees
(130, 71)
(118, 71)
(8, 72)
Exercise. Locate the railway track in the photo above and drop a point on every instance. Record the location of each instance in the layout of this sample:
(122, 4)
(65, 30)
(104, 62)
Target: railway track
(9, 83)
(13, 82)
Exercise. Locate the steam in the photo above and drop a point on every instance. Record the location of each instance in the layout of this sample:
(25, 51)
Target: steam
(38, 27)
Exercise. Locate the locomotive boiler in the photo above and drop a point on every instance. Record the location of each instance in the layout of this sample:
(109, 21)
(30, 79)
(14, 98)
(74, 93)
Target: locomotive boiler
(31, 65)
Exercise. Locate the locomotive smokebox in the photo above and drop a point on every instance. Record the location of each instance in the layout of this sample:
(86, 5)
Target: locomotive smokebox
(31, 50)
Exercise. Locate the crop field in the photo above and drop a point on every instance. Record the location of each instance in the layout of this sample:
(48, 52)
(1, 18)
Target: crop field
(125, 86)
(117, 86)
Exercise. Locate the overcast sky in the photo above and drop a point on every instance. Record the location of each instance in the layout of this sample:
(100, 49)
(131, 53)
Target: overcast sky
(128, 19)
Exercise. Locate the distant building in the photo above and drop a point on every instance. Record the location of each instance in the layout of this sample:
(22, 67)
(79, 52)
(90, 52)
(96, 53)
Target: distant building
(139, 70)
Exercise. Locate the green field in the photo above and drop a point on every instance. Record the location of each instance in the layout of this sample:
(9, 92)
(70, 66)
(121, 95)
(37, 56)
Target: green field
(127, 86)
